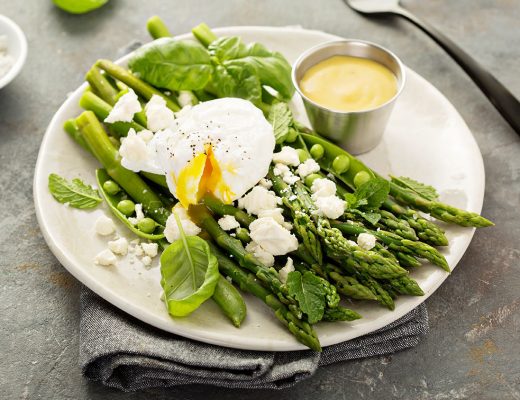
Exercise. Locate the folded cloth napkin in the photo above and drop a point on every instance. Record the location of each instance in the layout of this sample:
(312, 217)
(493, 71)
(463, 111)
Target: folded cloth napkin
(122, 352)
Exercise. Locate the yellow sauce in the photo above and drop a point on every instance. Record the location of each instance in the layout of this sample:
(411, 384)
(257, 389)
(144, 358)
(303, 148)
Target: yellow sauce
(345, 83)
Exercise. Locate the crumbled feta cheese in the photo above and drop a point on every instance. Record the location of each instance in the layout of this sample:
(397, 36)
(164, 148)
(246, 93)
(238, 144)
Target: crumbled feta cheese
(330, 206)
(310, 166)
(276, 214)
(258, 252)
(138, 250)
(266, 183)
(280, 169)
(366, 241)
(228, 222)
(171, 230)
(125, 108)
(272, 237)
(323, 187)
(146, 135)
(290, 178)
(118, 246)
(106, 258)
(105, 226)
(351, 242)
(158, 116)
(150, 249)
(258, 199)
(287, 156)
(185, 98)
(146, 260)
(139, 215)
(134, 151)
(284, 272)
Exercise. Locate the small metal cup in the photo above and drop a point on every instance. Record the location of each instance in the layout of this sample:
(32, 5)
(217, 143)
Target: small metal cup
(356, 131)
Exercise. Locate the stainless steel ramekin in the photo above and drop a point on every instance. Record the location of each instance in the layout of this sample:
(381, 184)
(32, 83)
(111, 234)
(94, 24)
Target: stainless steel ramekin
(357, 131)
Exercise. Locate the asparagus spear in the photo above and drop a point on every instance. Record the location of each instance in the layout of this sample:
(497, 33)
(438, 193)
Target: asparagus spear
(100, 145)
(101, 85)
(249, 283)
(426, 230)
(406, 285)
(397, 244)
(157, 28)
(219, 208)
(140, 87)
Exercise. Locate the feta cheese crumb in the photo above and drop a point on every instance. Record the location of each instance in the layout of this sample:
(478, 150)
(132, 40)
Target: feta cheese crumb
(272, 237)
(125, 108)
(276, 214)
(158, 116)
(287, 156)
(323, 187)
(263, 256)
(228, 222)
(280, 169)
(290, 178)
(105, 226)
(366, 241)
(258, 199)
(146, 135)
(118, 246)
(330, 206)
(139, 215)
(105, 258)
(146, 260)
(150, 249)
(310, 166)
(266, 183)
(284, 272)
(171, 230)
(185, 98)
(133, 151)
(138, 250)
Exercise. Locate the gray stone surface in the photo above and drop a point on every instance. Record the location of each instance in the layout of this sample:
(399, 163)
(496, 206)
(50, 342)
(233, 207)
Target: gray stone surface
(473, 348)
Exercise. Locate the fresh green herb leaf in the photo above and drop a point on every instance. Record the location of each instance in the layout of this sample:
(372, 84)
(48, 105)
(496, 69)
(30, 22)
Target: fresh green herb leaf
(234, 81)
(76, 193)
(423, 190)
(189, 273)
(307, 289)
(270, 67)
(375, 192)
(280, 117)
(79, 6)
(370, 216)
(173, 64)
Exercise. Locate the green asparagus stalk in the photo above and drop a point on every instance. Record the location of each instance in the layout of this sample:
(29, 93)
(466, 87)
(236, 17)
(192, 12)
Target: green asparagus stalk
(204, 34)
(140, 87)
(101, 85)
(100, 145)
(249, 283)
(406, 285)
(217, 207)
(397, 244)
(157, 28)
(340, 314)
(71, 128)
(426, 230)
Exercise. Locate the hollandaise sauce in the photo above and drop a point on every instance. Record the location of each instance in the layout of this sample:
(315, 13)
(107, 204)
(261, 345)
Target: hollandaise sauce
(345, 83)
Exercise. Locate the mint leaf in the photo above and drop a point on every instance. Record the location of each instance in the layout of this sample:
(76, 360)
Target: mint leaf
(370, 216)
(375, 192)
(423, 190)
(281, 118)
(76, 193)
(307, 289)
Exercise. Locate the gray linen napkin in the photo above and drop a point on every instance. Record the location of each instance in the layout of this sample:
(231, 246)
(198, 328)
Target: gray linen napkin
(122, 352)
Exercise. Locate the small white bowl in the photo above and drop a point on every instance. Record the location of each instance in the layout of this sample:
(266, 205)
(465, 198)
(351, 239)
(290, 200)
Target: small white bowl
(16, 47)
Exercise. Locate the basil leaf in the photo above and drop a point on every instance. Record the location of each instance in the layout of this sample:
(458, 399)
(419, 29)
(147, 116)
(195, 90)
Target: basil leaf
(270, 67)
(423, 190)
(307, 289)
(375, 192)
(79, 6)
(189, 274)
(173, 64)
(237, 81)
(281, 118)
(76, 193)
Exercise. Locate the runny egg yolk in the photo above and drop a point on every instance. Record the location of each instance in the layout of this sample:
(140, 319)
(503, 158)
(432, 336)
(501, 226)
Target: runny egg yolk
(202, 175)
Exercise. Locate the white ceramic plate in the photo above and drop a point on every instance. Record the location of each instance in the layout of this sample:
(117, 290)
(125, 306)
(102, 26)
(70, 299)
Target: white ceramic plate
(423, 122)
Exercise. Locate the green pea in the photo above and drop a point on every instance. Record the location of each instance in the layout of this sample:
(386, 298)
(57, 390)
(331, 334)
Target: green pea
(311, 178)
(111, 187)
(243, 235)
(302, 155)
(127, 207)
(360, 178)
(291, 136)
(341, 164)
(317, 151)
(146, 225)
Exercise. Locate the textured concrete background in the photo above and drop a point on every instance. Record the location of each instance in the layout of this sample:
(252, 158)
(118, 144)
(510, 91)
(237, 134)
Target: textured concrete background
(473, 348)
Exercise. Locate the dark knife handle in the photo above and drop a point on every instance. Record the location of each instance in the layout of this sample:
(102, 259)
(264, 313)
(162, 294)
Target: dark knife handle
(498, 94)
